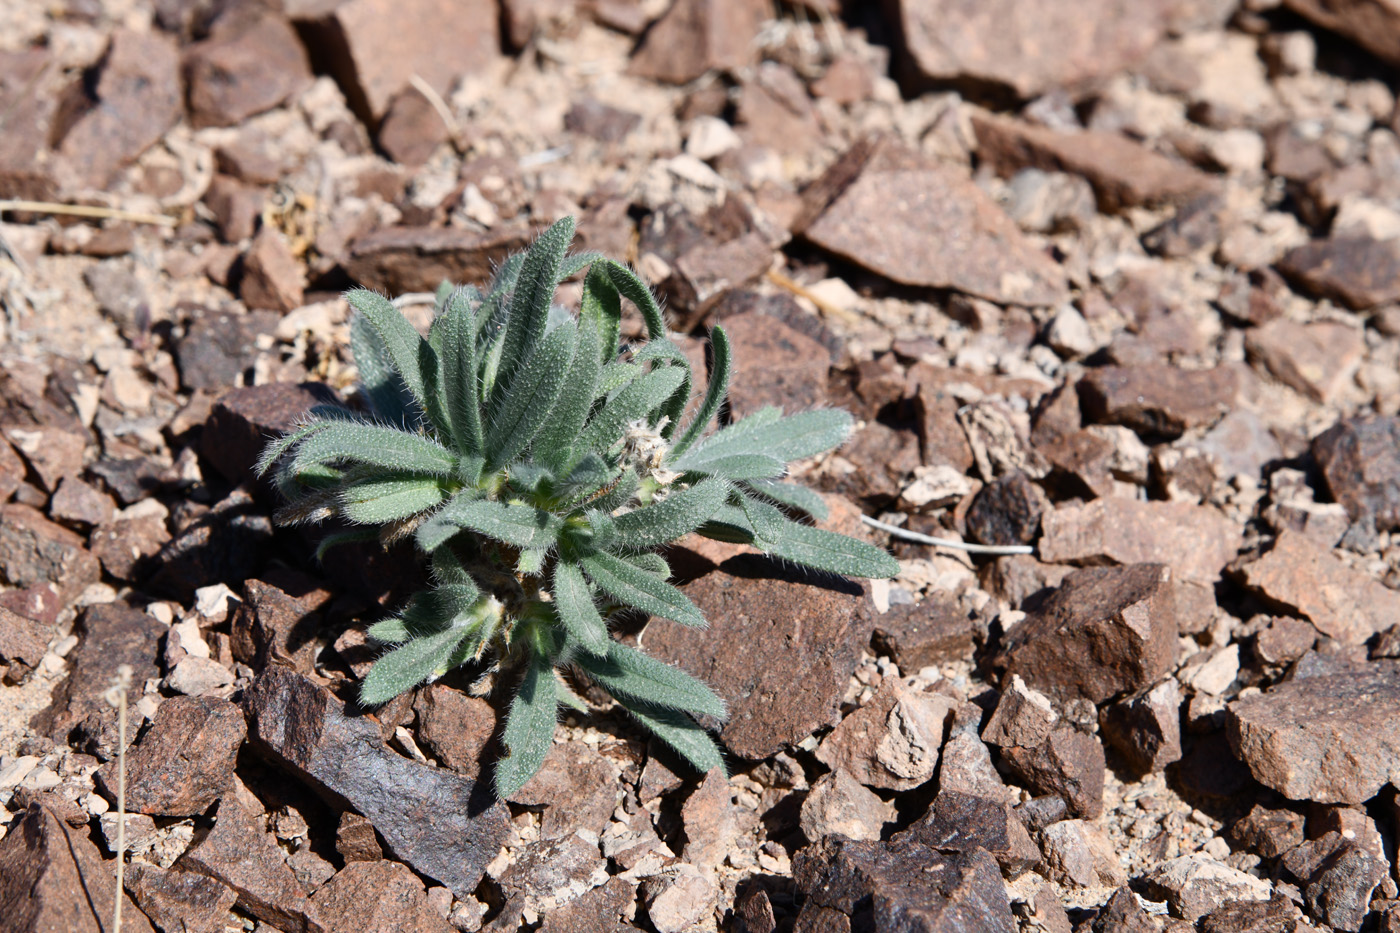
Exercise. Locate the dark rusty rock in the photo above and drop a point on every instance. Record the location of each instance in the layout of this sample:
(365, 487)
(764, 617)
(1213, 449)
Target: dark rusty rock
(443, 825)
(1007, 511)
(1357, 271)
(1157, 398)
(1146, 729)
(960, 822)
(272, 279)
(376, 897)
(248, 64)
(577, 786)
(881, 203)
(228, 542)
(1195, 541)
(1276, 915)
(893, 741)
(918, 635)
(1069, 764)
(1318, 359)
(695, 36)
(244, 419)
(355, 839)
(413, 259)
(779, 366)
(271, 625)
(1271, 833)
(34, 550)
(1108, 631)
(127, 548)
(183, 762)
(180, 900)
(455, 727)
(1360, 462)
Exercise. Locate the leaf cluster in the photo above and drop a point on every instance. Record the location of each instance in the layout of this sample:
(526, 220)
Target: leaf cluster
(538, 462)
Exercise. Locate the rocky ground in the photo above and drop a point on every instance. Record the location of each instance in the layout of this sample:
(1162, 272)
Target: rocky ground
(1116, 279)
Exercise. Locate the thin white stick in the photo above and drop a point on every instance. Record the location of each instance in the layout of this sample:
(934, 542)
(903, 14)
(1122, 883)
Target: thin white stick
(84, 210)
(408, 299)
(948, 542)
(123, 682)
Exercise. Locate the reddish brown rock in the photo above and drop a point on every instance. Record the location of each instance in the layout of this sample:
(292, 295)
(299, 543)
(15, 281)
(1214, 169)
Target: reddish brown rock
(959, 822)
(1146, 730)
(1357, 271)
(180, 900)
(22, 645)
(775, 112)
(31, 88)
(77, 503)
(1194, 885)
(891, 743)
(1298, 574)
(711, 822)
(272, 277)
(881, 204)
(250, 63)
(608, 908)
(137, 98)
(53, 878)
(412, 129)
(1284, 640)
(547, 874)
(228, 542)
(355, 839)
(1027, 46)
(779, 650)
(236, 207)
(1068, 764)
(444, 826)
(1106, 632)
(373, 48)
(1330, 739)
(1271, 833)
(34, 550)
(1007, 511)
(1157, 398)
(1360, 462)
(127, 548)
(455, 727)
(1195, 541)
(376, 897)
(899, 885)
(1372, 24)
(695, 36)
(52, 452)
(838, 803)
(708, 271)
(917, 635)
(244, 419)
(271, 625)
(778, 367)
(1316, 359)
(183, 763)
(576, 786)
(1124, 173)
(12, 471)
(1339, 875)
(415, 259)
(1022, 717)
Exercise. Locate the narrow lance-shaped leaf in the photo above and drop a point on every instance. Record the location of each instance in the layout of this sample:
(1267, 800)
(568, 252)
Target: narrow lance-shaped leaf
(437, 530)
(515, 524)
(573, 603)
(627, 672)
(376, 501)
(814, 547)
(577, 262)
(409, 665)
(792, 495)
(375, 446)
(601, 309)
(636, 291)
(388, 397)
(731, 466)
(681, 733)
(519, 415)
(529, 731)
(280, 445)
(664, 350)
(410, 354)
(634, 401)
(715, 392)
(678, 514)
(529, 304)
(636, 587)
(459, 372)
(786, 438)
(555, 441)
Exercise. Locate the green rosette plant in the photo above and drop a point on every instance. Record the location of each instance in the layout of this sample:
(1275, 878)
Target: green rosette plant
(539, 463)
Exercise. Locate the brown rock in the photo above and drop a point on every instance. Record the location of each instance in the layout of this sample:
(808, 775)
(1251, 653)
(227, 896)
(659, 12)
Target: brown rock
(774, 111)
(1300, 575)
(1317, 359)
(12, 471)
(1360, 462)
(237, 207)
(1124, 173)
(180, 900)
(695, 36)
(373, 48)
(412, 129)
(137, 98)
(1007, 511)
(1022, 717)
(355, 839)
(754, 910)
(892, 742)
(967, 768)
(31, 88)
(1108, 631)
(778, 366)
(77, 503)
(1079, 855)
(779, 650)
(432, 819)
(271, 625)
(1194, 885)
(22, 645)
(1332, 739)
(184, 761)
(34, 550)
(244, 419)
(411, 259)
(874, 465)
(679, 899)
(1276, 915)
(960, 822)
(549, 873)
(249, 64)
(711, 822)
(847, 79)
(919, 635)
(903, 884)
(1069, 765)
(272, 277)
(240, 853)
(1195, 541)
(708, 271)
(376, 897)
(605, 909)
(455, 727)
(1372, 24)
(577, 786)
(127, 547)
(1157, 398)
(839, 804)
(600, 121)
(53, 878)
(1357, 271)
(1146, 730)
(1284, 640)
(1271, 833)
(1340, 877)
(881, 205)
(228, 542)
(1027, 46)
(51, 452)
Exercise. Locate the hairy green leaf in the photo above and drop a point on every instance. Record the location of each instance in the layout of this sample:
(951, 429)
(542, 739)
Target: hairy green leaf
(529, 731)
(681, 733)
(652, 563)
(731, 466)
(390, 631)
(663, 350)
(636, 291)
(813, 547)
(522, 412)
(438, 529)
(375, 446)
(627, 672)
(409, 665)
(555, 441)
(577, 262)
(635, 401)
(573, 603)
(715, 392)
(617, 374)
(448, 568)
(678, 514)
(515, 524)
(791, 495)
(785, 438)
(636, 587)
(601, 311)
(459, 372)
(412, 357)
(388, 397)
(388, 499)
(529, 304)
(280, 445)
